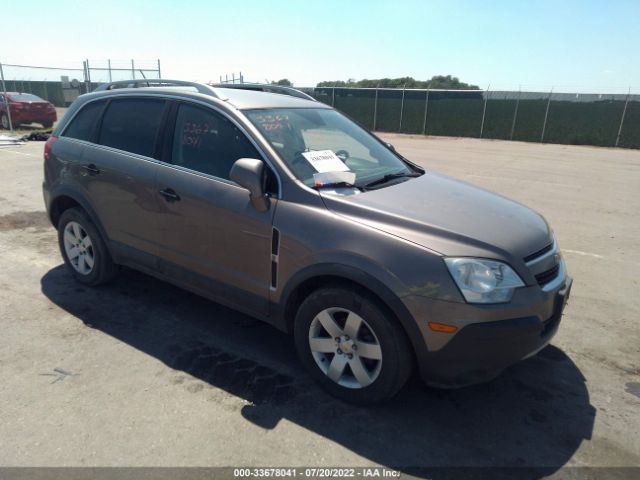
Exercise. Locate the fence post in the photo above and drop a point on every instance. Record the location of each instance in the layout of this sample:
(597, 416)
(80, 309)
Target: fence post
(46, 90)
(484, 109)
(109, 68)
(624, 112)
(402, 108)
(375, 109)
(6, 98)
(426, 109)
(515, 115)
(87, 80)
(133, 69)
(159, 74)
(546, 114)
(333, 96)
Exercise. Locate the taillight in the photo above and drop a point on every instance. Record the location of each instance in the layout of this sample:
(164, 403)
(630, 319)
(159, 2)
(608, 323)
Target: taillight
(48, 146)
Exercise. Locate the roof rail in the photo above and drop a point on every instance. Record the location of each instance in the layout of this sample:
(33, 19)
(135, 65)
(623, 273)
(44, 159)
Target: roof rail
(266, 87)
(156, 82)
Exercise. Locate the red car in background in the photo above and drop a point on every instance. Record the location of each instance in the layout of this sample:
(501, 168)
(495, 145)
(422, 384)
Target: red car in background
(26, 108)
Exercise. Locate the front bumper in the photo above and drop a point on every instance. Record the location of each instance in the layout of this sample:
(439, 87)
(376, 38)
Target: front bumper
(504, 335)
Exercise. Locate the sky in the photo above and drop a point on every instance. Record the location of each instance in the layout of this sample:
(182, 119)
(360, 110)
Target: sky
(570, 45)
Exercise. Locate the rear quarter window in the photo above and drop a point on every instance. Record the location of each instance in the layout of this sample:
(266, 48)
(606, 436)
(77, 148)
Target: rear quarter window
(84, 123)
(132, 125)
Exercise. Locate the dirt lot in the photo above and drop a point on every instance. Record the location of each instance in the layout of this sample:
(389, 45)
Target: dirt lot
(141, 373)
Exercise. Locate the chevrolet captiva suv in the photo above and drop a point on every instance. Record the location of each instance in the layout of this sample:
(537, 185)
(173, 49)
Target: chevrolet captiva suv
(285, 209)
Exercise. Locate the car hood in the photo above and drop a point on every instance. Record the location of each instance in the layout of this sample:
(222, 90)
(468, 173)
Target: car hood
(447, 216)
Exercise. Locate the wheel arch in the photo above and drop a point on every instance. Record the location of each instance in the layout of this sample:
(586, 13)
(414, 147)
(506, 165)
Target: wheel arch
(65, 198)
(318, 276)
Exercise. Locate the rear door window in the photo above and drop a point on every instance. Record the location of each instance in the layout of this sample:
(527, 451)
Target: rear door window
(132, 125)
(83, 124)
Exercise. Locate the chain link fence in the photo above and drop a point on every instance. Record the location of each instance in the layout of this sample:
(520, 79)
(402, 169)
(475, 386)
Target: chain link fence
(607, 120)
(61, 85)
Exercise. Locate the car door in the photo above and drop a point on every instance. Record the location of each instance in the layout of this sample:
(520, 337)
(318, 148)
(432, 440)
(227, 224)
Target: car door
(118, 172)
(211, 237)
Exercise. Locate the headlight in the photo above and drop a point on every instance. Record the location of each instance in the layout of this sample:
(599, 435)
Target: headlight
(483, 281)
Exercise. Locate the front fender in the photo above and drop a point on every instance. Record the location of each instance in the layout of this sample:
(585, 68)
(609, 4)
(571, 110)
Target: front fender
(382, 283)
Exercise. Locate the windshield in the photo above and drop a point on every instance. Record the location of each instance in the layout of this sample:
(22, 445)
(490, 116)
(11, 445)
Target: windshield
(293, 132)
(26, 97)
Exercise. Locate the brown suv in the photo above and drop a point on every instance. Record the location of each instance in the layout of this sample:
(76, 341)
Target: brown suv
(285, 209)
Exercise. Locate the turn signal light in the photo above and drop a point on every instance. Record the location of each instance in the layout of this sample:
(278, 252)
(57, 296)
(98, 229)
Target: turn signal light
(442, 327)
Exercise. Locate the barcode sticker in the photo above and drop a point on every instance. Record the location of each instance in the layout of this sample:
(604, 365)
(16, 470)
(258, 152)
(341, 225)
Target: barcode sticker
(325, 161)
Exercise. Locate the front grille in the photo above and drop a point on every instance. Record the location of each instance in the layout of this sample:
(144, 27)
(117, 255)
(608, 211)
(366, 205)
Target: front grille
(539, 253)
(547, 276)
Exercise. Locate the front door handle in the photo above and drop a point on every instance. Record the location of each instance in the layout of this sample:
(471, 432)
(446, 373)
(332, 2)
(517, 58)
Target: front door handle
(92, 169)
(170, 195)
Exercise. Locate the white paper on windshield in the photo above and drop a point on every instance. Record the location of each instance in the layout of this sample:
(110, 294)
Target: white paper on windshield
(325, 161)
(327, 178)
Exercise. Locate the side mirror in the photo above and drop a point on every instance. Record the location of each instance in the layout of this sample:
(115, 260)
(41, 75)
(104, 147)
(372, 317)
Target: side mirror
(249, 173)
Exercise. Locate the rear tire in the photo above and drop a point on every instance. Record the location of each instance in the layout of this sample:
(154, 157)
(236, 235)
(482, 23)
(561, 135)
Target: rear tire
(83, 249)
(351, 345)
(47, 124)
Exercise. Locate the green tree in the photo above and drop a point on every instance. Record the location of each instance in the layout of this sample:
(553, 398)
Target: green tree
(437, 81)
(283, 81)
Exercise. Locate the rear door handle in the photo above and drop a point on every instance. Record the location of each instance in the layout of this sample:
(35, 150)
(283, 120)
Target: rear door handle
(92, 169)
(170, 195)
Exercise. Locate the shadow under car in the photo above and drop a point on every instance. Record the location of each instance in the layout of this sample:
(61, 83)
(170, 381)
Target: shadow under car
(535, 415)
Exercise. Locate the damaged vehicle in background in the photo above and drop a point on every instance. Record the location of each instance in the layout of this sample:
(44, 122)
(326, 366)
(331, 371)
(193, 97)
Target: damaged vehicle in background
(285, 209)
(25, 109)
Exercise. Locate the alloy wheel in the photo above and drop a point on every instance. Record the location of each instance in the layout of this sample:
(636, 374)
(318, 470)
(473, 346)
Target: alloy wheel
(345, 347)
(78, 247)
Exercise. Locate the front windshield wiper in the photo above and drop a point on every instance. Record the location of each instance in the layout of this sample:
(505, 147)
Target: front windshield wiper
(337, 184)
(390, 176)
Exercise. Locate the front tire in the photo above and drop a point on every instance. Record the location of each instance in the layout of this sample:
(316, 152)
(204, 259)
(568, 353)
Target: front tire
(83, 249)
(47, 124)
(4, 121)
(352, 345)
